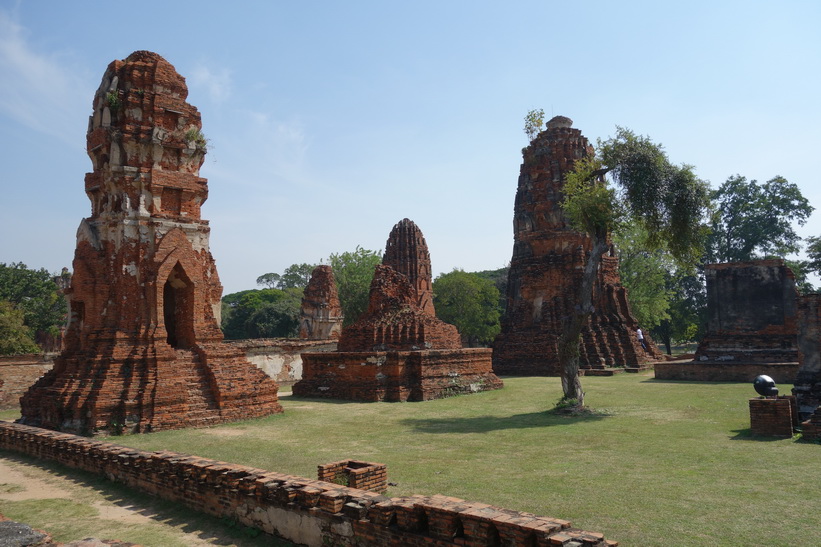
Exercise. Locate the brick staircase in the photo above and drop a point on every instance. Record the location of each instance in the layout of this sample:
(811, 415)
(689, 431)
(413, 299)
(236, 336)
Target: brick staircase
(202, 407)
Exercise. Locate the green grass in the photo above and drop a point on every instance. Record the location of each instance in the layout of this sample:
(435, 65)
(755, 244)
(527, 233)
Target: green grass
(668, 463)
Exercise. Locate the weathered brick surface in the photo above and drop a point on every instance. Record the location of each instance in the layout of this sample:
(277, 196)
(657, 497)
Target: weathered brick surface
(321, 313)
(546, 270)
(781, 373)
(143, 346)
(406, 251)
(280, 358)
(17, 373)
(356, 474)
(807, 388)
(752, 313)
(773, 417)
(398, 350)
(305, 511)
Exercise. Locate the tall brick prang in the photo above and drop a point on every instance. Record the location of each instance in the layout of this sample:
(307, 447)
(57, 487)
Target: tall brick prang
(407, 252)
(546, 271)
(143, 348)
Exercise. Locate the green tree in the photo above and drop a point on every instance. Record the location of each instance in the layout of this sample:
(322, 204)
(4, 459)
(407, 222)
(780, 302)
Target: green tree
(534, 120)
(15, 336)
(499, 280)
(666, 200)
(470, 302)
(644, 273)
(36, 295)
(269, 280)
(295, 276)
(687, 311)
(242, 315)
(353, 272)
(755, 220)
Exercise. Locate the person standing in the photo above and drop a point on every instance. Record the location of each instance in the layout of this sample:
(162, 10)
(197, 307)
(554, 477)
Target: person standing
(640, 336)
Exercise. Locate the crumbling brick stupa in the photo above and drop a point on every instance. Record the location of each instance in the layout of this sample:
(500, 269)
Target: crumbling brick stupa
(143, 348)
(398, 350)
(546, 271)
(321, 313)
(807, 383)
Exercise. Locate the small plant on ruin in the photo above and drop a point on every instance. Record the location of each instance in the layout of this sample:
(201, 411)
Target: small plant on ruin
(342, 479)
(113, 100)
(198, 138)
(534, 120)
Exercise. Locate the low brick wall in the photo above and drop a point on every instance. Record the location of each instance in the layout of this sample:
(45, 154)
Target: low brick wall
(782, 373)
(397, 375)
(304, 511)
(773, 417)
(18, 373)
(356, 474)
(280, 358)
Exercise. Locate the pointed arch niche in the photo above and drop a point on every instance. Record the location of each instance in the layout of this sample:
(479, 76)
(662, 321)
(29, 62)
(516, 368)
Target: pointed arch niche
(178, 308)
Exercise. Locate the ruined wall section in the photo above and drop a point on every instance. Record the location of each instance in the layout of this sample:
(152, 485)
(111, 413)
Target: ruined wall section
(807, 388)
(143, 346)
(546, 270)
(321, 313)
(752, 310)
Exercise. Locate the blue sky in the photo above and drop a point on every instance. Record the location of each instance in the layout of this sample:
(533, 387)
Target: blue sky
(331, 121)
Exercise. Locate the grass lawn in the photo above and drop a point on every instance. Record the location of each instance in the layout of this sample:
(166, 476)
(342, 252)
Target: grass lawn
(671, 463)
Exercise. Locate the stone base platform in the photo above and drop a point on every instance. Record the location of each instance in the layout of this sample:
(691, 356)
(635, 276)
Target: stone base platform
(726, 371)
(396, 375)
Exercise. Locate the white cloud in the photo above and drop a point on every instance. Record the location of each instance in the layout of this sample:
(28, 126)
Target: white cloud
(39, 91)
(217, 82)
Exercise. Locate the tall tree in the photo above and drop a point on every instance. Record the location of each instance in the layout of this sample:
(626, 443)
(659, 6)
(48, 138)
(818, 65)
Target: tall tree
(262, 313)
(36, 295)
(15, 336)
(755, 220)
(666, 200)
(295, 276)
(353, 272)
(470, 302)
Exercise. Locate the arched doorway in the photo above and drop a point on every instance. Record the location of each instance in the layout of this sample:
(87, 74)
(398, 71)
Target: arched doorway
(178, 308)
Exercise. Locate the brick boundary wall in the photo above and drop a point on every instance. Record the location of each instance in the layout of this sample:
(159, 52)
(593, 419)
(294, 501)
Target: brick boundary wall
(305, 511)
(773, 417)
(726, 372)
(18, 373)
(356, 474)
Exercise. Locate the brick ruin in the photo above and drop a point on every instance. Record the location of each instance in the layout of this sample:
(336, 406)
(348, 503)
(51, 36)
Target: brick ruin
(321, 314)
(398, 350)
(143, 348)
(547, 267)
(752, 314)
(807, 388)
(301, 510)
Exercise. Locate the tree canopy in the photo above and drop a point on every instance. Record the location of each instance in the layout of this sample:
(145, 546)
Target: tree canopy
(753, 220)
(353, 272)
(36, 296)
(261, 313)
(470, 302)
(295, 276)
(668, 202)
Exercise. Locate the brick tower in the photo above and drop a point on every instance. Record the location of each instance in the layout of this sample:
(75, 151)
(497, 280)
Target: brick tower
(546, 270)
(143, 348)
(407, 252)
(321, 313)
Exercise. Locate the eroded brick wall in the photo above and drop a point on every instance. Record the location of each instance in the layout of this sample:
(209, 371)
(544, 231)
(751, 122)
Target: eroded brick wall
(280, 358)
(726, 372)
(17, 373)
(302, 510)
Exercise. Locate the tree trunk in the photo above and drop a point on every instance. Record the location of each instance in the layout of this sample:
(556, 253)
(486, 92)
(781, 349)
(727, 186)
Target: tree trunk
(569, 341)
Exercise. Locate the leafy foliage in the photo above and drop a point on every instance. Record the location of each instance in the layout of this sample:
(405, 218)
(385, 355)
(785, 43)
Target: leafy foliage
(353, 272)
(15, 336)
(755, 220)
(499, 280)
(263, 313)
(470, 302)
(534, 120)
(35, 295)
(295, 276)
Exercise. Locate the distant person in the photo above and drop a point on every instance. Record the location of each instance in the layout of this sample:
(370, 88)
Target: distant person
(640, 336)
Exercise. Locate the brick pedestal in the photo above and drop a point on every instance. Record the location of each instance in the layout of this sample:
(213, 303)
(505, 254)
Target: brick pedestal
(773, 417)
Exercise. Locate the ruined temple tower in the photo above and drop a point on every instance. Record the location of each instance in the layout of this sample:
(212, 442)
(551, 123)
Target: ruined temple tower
(398, 350)
(546, 269)
(143, 349)
(321, 313)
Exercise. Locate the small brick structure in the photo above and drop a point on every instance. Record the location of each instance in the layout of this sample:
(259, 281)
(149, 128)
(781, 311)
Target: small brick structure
(301, 510)
(546, 270)
(143, 347)
(398, 350)
(356, 474)
(773, 417)
(320, 315)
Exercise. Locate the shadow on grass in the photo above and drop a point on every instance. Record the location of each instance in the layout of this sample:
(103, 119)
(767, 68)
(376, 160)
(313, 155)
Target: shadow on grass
(206, 527)
(746, 434)
(483, 424)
